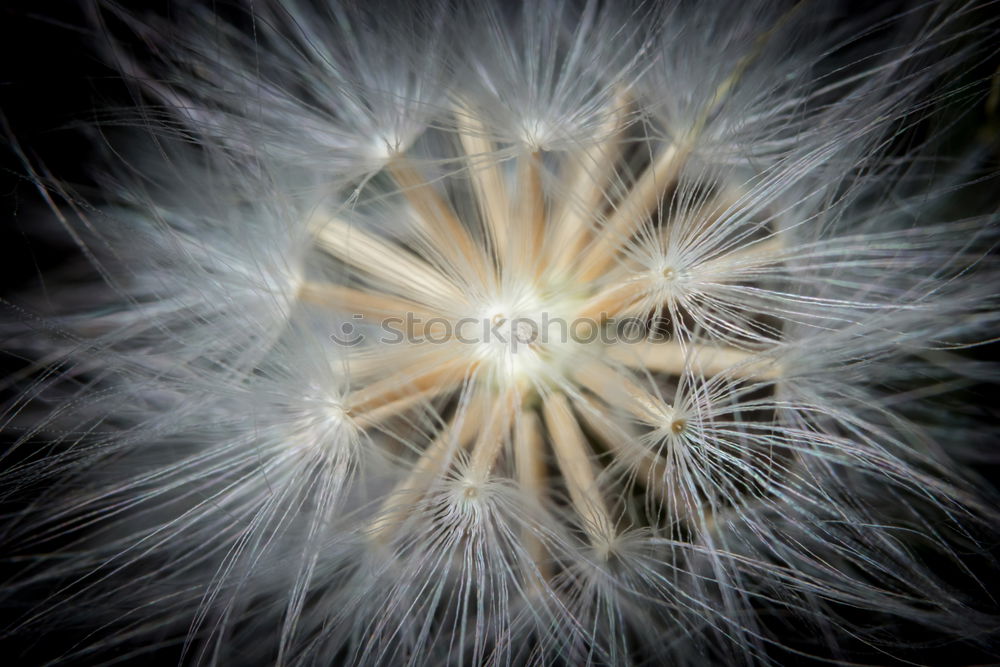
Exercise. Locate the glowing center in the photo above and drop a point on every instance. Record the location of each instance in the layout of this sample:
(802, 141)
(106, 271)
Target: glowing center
(525, 340)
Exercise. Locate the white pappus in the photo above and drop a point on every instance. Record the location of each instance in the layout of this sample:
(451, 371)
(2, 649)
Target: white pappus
(481, 333)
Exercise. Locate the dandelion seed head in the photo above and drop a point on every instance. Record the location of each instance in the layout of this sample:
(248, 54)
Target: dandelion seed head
(437, 444)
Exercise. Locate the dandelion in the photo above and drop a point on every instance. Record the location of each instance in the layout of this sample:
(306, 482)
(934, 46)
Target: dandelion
(561, 333)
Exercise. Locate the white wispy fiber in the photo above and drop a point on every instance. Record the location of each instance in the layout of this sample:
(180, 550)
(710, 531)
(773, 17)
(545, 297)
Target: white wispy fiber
(777, 466)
